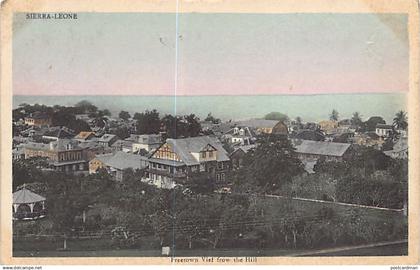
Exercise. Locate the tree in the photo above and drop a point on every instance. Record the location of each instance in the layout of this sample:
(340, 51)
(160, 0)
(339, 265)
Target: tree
(148, 122)
(28, 170)
(85, 106)
(400, 120)
(372, 122)
(122, 132)
(356, 119)
(270, 165)
(334, 115)
(124, 115)
(211, 118)
(278, 116)
(106, 112)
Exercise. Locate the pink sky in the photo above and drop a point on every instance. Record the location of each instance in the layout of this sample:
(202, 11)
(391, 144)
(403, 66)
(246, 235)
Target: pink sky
(217, 54)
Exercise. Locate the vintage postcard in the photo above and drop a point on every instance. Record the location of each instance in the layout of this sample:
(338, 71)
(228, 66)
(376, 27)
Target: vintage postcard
(209, 132)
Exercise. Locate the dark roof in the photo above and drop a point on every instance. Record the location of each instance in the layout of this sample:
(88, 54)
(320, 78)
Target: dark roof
(310, 135)
(321, 148)
(107, 137)
(59, 132)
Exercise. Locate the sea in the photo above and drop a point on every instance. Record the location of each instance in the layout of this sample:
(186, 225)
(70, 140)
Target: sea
(308, 107)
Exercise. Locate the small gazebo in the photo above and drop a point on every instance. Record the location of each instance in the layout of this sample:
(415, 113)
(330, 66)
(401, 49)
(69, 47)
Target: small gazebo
(28, 205)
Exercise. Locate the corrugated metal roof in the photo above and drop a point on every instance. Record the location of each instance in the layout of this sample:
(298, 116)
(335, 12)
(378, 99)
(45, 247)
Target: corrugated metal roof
(320, 148)
(121, 160)
(184, 147)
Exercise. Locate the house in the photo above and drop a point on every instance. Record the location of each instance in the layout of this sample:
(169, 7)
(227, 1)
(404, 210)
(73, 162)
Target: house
(38, 119)
(239, 136)
(56, 133)
(369, 139)
(64, 155)
(117, 163)
(85, 135)
(237, 156)
(122, 145)
(259, 125)
(383, 130)
(177, 161)
(399, 150)
(313, 150)
(328, 126)
(308, 134)
(280, 129)
(148, 142)
(18, 152)
(92, 148)
(108, 139)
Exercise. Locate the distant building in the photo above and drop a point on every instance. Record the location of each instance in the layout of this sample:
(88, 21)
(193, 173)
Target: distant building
(260, 125)
(239, 136)
(56, 133)
(178, 160)
(399, 150)
(383, 130)
(309, 134)
(148, 142)
(64, 155)
(117, 163)
(38, 119)
(92, 148)
(85, 135)
(313, 150)
(18, 152)
(328, 126)
(107, 139)
(123, 145)
(369, 139)
(237, 156)
(280, 129)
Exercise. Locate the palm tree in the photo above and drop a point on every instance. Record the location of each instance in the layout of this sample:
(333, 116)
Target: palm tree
(334, 115)
(356, 119)
(400, 120)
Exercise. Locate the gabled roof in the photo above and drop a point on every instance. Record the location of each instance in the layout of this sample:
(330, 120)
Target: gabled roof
(59, 132)
(59, 145)
(84, 135)
(186, 146)
(26, 196)
(121, 160)
(107, 137)
(321, 148)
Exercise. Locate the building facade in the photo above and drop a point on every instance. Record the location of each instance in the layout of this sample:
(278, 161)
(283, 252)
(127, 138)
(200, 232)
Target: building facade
(178, 161)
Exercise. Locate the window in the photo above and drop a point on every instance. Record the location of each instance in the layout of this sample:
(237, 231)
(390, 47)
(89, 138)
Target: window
(203, 154)
(210, 154)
